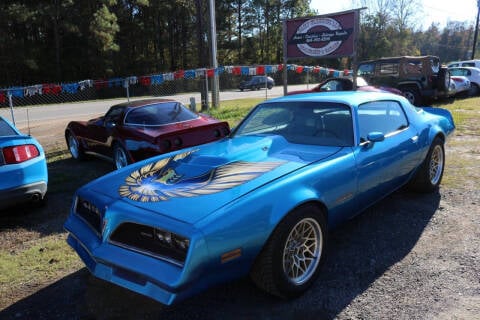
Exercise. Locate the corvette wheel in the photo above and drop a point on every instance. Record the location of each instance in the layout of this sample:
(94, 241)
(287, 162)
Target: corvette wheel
(120, 157)
(74, 147)
(290, 261)
(430, 173)
(413, 95)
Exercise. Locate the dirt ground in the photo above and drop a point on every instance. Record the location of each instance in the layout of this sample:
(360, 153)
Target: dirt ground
(411, 256)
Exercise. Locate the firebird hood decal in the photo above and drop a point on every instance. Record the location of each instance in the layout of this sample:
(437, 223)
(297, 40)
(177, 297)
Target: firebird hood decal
(191, 184)
(159, 181)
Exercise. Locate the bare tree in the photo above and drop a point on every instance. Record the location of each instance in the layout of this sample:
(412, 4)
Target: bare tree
(406, 14)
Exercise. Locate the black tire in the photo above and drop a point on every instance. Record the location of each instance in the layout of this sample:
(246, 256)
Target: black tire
(443, 79)
(429, 175)
(270, 87)
(412, 94)
(74, 146)
(474, 90)
(120, 157)
(274, 271)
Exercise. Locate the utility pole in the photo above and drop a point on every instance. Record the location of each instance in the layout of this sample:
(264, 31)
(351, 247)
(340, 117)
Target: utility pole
(213, 40)
(476, 31)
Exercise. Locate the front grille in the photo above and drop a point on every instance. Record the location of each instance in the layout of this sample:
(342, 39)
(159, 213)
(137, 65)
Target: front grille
(143, 239)
(90, 214)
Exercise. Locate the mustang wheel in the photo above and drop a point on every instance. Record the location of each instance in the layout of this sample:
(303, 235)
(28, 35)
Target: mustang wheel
(74, 147)
(120, 157)
(430, 173)
(290, 261)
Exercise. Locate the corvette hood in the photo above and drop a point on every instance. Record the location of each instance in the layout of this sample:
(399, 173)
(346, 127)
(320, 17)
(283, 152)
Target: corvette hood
(190, 184)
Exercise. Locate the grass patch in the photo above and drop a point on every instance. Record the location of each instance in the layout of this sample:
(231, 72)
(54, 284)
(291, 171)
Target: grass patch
(234, 110)
(458, 168)
(41, 261)
(57, 155)
(461, 104)
(462, 164)
(465, 113)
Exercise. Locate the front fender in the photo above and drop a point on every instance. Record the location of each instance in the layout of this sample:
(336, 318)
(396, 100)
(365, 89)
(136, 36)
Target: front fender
(246, 223)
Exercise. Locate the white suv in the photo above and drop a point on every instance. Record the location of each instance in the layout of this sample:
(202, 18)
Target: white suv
(473, 74)
(465, 63)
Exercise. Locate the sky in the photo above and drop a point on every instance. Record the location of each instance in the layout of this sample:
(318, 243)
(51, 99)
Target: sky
(438, 11)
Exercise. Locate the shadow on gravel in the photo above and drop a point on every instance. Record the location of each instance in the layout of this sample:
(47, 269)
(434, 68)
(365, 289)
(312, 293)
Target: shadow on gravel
(65, 176)
(359, 253)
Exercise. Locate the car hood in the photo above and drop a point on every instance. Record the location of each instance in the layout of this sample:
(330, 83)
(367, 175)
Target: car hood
(191, 184)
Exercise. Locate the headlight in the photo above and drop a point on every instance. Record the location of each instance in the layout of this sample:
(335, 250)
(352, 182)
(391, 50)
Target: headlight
(171, 239)
(152, 241)
(89, 213)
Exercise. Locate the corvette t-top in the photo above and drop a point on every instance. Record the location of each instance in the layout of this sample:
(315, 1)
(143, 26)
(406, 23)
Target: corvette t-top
(140, 129)
(260, 201)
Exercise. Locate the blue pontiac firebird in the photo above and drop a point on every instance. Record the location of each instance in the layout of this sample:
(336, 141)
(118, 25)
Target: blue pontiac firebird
(260, 201)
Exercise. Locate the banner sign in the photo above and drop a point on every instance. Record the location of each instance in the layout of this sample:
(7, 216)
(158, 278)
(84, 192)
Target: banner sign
(321, 36)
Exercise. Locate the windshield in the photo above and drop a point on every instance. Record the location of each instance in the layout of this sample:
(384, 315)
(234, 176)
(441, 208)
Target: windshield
(160, 114)
(313, 123)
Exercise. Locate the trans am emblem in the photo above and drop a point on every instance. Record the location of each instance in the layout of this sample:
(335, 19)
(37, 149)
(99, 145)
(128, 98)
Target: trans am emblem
(159, 181)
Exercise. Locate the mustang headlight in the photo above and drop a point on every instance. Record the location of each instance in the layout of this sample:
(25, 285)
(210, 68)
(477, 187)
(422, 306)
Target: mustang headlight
(152, 241)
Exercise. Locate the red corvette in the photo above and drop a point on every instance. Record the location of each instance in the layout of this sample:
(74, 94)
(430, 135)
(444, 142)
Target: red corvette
(137, 130)
(346, 84)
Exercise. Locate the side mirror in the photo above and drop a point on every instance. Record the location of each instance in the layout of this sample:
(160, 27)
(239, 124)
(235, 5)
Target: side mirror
(109, 124)
(375, 136)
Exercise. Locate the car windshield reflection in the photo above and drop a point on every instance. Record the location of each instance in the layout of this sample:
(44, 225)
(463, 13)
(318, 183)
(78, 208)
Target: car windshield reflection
(326, 124)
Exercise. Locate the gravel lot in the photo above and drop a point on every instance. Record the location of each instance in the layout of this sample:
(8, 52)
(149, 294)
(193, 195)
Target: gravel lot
(411, 256)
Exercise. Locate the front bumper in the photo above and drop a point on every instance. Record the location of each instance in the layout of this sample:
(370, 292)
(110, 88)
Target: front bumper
(158, 279)
(129, 279)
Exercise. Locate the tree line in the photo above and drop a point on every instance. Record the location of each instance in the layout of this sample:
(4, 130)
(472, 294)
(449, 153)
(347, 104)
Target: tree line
(69, 40)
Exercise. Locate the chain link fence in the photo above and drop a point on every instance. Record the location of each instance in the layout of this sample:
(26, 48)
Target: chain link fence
(198, 81)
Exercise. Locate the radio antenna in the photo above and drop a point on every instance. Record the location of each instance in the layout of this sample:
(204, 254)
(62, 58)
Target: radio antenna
(28, 123)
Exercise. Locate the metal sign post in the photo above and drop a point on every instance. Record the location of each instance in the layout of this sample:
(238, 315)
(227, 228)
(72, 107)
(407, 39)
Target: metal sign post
(10, 103)
(213, 35)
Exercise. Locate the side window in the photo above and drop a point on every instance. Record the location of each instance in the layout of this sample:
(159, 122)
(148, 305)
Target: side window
(413, 67)
(366, 69)
(380, 116)
(435, 63)
(389, 69)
